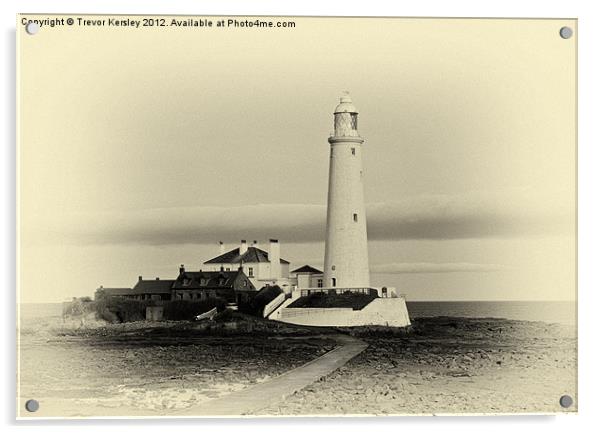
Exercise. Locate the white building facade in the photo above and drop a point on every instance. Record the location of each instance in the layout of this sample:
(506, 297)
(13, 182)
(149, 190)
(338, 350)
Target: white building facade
(307, 277)
(261, 267)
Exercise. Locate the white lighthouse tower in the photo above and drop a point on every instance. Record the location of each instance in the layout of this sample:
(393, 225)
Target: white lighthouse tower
(346, 256)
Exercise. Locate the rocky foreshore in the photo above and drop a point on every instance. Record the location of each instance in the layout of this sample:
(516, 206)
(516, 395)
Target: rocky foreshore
(449, 366)
(106, 369)
(438, 366)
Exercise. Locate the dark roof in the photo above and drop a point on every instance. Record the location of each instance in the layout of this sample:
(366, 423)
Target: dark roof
(206, 279)
(153, 286)
(307, 269)
(117, 291)
(253, 254)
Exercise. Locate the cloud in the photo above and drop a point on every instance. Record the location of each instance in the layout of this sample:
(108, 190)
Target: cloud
(475, 215)
(418, 217)
(432, 267)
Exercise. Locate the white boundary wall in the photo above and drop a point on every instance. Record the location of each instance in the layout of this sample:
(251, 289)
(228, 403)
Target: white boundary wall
(390, 312)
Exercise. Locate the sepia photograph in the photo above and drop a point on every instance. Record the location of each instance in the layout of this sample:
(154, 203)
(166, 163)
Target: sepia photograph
(276, 216)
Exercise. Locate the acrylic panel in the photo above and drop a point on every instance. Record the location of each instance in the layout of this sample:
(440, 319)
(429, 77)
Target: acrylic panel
(293, 216)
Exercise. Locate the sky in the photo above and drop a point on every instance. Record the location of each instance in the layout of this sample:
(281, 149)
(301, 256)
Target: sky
(140, 149)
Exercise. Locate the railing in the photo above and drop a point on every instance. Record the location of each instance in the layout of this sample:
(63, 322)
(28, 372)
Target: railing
(338, 291)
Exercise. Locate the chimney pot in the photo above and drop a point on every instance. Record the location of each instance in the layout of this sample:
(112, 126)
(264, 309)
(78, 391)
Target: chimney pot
(156, 278)
(139, 278)
(243, 247)
(274, 258)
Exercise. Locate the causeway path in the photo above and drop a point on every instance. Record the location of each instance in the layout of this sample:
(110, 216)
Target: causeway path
(248, 401)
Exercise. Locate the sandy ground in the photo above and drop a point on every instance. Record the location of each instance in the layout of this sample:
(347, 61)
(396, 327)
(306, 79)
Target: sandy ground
(450, 366)
(443, 365)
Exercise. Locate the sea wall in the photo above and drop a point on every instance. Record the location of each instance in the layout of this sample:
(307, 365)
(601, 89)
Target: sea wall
(381, 311)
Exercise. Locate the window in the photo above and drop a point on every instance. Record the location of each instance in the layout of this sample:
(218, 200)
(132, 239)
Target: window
(250, 271)
(355, 217)
(320, 283)
(352, 151)
(244, 283)
(334, 282)
(227, 268)
(354, 121)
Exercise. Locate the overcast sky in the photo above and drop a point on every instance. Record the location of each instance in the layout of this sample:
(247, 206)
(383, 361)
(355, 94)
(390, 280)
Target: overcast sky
(140, 150)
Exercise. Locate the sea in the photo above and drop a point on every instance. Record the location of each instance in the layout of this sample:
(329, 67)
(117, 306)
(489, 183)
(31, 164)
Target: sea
(563, 312)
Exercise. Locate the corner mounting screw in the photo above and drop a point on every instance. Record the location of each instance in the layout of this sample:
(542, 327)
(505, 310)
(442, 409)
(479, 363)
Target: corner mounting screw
(566, 32)
(32, 28)
(32, 405)
(566, 401)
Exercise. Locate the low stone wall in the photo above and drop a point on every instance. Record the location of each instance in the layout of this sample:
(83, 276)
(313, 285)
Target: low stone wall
(276, 315)
(381, 311)
(154, 313)
(269, 308)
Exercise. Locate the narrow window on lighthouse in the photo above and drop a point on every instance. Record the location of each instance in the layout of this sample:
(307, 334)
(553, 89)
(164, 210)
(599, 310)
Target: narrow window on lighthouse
(352, 151)
(334, 281)
(355, 217)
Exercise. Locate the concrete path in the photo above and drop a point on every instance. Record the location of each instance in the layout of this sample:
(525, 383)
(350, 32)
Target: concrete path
(253, 398)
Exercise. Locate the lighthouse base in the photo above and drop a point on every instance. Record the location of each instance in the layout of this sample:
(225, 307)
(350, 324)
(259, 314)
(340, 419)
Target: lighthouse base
(391, 312)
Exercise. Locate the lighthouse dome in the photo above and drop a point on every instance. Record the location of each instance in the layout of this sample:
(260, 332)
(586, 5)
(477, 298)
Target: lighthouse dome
(345, 105)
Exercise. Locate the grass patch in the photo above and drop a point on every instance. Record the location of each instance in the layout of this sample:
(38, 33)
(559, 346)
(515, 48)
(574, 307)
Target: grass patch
(356, 301)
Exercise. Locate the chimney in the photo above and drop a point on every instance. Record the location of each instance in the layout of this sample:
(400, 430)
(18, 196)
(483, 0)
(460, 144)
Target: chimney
(274, 257)
(222, 248)
(243, 247)
(182, 269)
(156, 278)
(139, 278)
